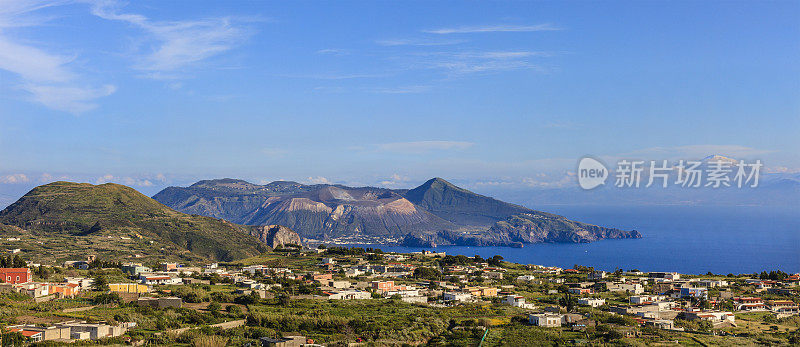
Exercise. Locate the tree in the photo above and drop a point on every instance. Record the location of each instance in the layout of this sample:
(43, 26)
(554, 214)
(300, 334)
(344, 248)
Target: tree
(100, 283)
(13, 339)
(427, 273)
(214, 307)
(495, 261)
(568, 301)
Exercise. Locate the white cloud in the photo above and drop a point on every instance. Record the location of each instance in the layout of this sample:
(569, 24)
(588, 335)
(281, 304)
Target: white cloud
(14, 179)
(179, 44)
(423, 146)
(67, 98)
(125, 180)
(549, 181)
(317, 180)
(494, 28)
(395, 181)
(47, 77)
(333, 51)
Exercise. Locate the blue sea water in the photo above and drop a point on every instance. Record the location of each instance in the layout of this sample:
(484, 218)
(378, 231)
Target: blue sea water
(686, 239)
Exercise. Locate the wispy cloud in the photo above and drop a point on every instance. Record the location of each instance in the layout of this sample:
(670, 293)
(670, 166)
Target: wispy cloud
(125, 180)
(423, 146)
(178, 44)
(464, 63)
(395, 181)
(697, 152)
(72, 99)
(402, 90)
(339, 76)
(317, 180)
(333, 51)
(45, 76)
(14, 178)
(494, 28)
(417, 42)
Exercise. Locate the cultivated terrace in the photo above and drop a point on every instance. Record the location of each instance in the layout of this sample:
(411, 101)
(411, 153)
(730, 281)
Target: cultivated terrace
(336, 296)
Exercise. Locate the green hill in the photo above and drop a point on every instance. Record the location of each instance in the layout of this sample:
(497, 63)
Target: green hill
(112, 218)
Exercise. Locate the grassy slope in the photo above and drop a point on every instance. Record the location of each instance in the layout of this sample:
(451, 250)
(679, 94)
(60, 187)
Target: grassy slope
(67, 210)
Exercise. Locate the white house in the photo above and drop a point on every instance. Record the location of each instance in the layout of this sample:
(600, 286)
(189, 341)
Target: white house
(592, 302)
(159, 279)
(517, 301)
(642, 299)
(633, 288)
(451, 296)
(526, 278)
(348, 295)
(548, 320)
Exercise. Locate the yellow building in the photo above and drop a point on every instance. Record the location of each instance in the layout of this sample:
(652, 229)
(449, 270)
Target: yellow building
(128, 288)
(481, 291)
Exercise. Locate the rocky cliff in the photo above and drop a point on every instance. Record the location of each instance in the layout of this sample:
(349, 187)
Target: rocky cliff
(276, 235)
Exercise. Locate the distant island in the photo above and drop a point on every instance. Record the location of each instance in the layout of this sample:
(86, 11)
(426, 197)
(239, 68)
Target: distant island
(232, 219)
(435, 213)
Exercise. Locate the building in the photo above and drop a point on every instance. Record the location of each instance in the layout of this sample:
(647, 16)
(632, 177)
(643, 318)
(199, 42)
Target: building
(382, 286)
(749, 304)
(645, 299)
(64, 290)
(526, 278)
(632, 288)
(692, 292)
(157, 279)
(592, 302)
(547, 320)
(517, 301)
(715, 317)
(580, 291)
(128, 288)
(51, 333)
(170, 266)
(596, 275)
(134, 269)
(93, 331)
(348, 295)
(460, 297)
(494, 275)
(666, 324)
(33, 336)
(672, 276)
(82, 282)
(482, 291)
(16, 275)
(713, 283)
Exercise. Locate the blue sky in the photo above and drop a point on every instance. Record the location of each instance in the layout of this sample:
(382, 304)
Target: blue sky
(155, 93)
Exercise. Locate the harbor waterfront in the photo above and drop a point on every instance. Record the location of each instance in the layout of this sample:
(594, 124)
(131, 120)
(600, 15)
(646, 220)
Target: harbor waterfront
(687, 239)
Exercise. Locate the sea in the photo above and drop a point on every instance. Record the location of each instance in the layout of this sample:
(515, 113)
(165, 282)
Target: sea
(685, 239)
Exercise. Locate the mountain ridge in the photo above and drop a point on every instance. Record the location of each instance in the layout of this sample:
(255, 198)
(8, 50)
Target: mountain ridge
(436, 212)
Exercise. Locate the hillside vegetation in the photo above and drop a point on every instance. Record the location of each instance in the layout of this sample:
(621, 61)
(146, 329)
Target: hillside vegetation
(99, 213)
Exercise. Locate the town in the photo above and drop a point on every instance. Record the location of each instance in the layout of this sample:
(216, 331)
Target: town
(337, 296)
